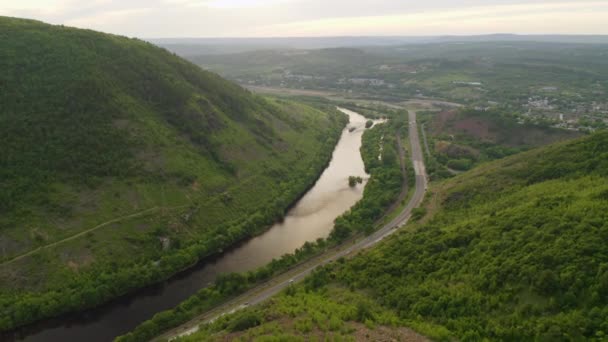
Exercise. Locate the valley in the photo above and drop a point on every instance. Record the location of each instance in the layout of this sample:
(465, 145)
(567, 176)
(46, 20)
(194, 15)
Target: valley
(119, 317)
(494, 249)
(294, 276)
(557, 84)
(107, 190)
(230, 171)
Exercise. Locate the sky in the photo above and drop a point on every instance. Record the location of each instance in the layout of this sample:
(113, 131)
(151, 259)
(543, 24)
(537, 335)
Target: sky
(312, 18)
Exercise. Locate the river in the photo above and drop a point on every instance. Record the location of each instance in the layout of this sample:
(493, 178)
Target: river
(311, 218)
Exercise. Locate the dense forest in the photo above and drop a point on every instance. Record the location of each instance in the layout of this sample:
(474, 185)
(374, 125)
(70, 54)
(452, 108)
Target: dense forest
(513, 250)
(122, 164)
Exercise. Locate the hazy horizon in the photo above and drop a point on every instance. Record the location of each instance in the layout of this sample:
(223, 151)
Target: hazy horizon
(501, 34)
(316, 18)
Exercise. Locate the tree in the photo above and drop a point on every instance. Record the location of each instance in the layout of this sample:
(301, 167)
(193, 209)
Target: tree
(354, 180)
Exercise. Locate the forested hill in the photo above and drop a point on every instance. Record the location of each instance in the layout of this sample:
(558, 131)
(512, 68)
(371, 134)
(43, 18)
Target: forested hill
(74, 102)
(514, 250)
(121, 163)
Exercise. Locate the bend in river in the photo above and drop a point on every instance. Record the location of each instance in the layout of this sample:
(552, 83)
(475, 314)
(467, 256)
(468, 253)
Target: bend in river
(311, 218)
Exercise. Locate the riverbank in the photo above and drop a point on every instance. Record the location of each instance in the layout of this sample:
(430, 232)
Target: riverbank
(129, 305)
(384, 185)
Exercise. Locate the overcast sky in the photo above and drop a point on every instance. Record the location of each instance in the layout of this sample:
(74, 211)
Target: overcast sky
(279, 18)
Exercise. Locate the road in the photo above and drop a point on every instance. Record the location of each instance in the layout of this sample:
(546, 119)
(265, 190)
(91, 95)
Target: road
(341, 95)
(265, 291)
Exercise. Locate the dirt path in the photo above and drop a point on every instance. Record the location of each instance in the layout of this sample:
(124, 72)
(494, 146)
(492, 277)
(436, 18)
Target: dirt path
(84, 232)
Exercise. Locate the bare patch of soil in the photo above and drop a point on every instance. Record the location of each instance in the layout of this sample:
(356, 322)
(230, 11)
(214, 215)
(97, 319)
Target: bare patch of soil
(475, 127)
(441, 120)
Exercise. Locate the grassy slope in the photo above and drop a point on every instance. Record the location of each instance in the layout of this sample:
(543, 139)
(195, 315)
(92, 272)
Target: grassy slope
(105, 132)
(333, 314)
(513, 250)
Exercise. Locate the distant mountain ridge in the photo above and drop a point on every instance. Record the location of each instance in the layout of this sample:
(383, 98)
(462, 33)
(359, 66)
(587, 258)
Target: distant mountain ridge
(193, 46)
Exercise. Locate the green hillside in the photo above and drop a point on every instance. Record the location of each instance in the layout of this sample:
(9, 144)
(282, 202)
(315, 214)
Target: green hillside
(122, 164)
(511, 251)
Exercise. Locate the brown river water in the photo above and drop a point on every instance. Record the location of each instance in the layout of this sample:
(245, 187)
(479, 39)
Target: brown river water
(311, 218)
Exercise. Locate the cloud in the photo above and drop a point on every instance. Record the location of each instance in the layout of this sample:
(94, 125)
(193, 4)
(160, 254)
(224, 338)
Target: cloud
(560, 17)
(109, 18)
(245, 3)
(204, 18)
